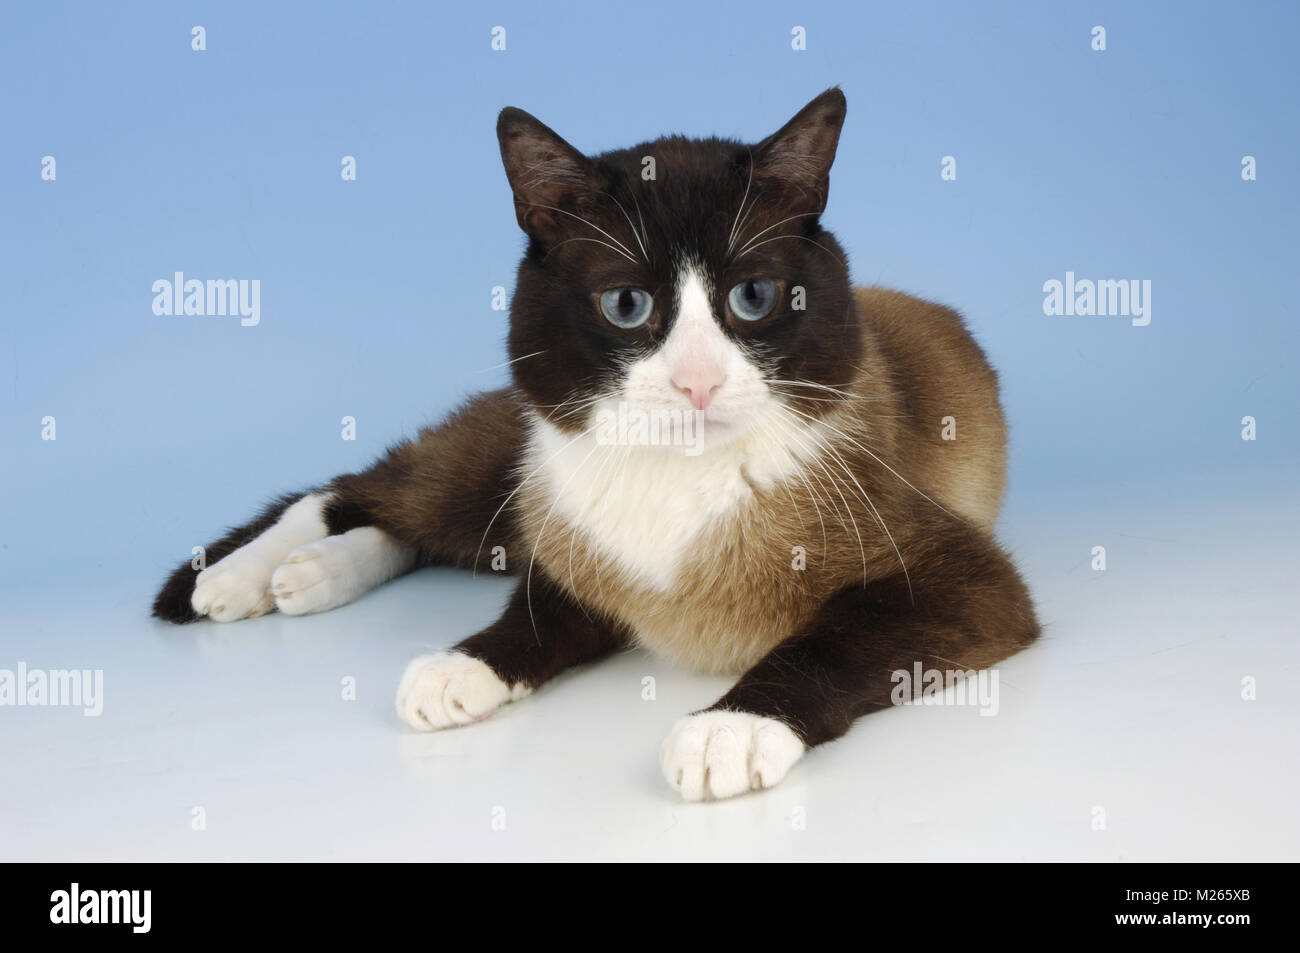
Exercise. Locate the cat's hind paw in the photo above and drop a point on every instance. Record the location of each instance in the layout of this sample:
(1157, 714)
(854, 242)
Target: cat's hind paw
(330, 572)
(237, 587)
(448, 689)
(313, 578)
(719, 754)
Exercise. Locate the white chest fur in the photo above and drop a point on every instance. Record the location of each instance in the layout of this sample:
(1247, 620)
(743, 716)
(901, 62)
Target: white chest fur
(648, 508)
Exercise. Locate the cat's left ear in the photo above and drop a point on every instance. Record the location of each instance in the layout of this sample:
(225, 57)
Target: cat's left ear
(546, 173)
(797, 158)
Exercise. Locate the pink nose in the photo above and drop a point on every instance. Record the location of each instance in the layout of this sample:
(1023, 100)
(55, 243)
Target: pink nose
(699, 384)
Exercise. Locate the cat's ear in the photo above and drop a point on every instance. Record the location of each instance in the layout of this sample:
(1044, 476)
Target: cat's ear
(545, 172)
(797, 158)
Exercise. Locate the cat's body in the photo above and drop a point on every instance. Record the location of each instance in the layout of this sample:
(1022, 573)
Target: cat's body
(828, 523)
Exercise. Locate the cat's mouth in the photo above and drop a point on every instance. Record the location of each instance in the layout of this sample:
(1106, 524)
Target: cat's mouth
(622, 421)
(722, 421)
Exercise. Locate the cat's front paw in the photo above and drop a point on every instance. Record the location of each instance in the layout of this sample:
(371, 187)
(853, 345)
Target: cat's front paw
(237, 587)
(439, 691)
(717, 754)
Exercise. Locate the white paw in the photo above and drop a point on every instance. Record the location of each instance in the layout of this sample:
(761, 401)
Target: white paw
(439, 691)
(330, 572)
(313, 578)
(717, 754)
(237, 587)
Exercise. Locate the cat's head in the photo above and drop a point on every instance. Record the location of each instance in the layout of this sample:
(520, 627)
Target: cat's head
(680, 276)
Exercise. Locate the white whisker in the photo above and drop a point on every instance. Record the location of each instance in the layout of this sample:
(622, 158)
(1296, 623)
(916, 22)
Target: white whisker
(750, 244)
(877, 459)
(875, 512)
(626, 251)
(731, 237)
(521, 485)
(802, 238)
(597, 241)
(644, 254)
(528, 579)
(516, 360)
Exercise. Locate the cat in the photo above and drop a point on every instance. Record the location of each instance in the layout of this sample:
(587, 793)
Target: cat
(820, 530)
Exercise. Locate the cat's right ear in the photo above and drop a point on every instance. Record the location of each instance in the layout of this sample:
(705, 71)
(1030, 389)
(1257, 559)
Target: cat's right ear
(549, 177)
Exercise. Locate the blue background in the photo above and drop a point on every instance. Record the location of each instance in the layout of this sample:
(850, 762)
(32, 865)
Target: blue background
(376, 293)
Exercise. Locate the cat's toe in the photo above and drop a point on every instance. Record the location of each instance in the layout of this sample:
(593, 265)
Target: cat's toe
(308, 581)
(719, 754)
(235, 588)
(439, 691)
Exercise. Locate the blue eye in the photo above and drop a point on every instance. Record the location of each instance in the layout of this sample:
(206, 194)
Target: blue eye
(753, 299)
(627, 307)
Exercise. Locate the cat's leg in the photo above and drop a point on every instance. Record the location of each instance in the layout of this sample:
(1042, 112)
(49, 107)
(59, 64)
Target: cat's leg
(239, 586)
(285, 559)
(446, 492)
(437, 500)
(333, 571)
(248, 578)
(962, 612)
(535, 639)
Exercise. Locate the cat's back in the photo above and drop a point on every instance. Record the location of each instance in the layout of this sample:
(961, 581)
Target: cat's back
(950, 432)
